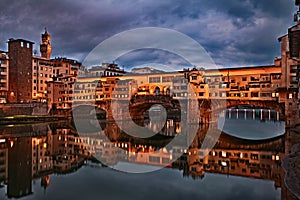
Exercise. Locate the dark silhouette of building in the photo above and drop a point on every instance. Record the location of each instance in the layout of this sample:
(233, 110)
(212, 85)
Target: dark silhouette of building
(20, 70)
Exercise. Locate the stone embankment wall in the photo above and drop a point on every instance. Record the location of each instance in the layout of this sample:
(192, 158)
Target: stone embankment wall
(37, 109)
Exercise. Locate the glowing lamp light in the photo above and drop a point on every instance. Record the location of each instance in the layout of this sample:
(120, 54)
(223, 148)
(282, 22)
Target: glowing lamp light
(224, 164)
(223, 154)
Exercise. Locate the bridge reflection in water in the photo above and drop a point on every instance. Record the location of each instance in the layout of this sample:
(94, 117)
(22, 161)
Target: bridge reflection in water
(253, 124)
(56, 148)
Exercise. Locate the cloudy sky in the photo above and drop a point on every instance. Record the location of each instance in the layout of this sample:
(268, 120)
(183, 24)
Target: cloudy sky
(233, 32)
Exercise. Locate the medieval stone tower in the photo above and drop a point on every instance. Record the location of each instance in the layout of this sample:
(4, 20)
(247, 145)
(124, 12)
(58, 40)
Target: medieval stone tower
(46, 47)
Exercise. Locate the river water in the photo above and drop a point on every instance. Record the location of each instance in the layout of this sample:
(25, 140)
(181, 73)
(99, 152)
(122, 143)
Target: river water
(55, 161)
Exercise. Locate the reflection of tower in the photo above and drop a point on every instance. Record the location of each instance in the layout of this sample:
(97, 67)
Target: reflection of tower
(19, 168)
(45, 182)
(46, 47)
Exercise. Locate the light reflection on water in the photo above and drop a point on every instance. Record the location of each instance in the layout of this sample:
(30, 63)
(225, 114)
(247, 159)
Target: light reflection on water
(252, 124)
(52, 162)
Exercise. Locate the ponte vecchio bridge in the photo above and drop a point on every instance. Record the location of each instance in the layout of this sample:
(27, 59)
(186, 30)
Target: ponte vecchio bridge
(212, 90)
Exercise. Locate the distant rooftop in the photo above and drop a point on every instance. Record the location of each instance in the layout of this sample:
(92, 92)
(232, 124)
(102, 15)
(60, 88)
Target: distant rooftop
(21, 40)
(145, 70)
(64, 59)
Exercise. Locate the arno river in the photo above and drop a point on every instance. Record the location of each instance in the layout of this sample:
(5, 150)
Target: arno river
(54, 161)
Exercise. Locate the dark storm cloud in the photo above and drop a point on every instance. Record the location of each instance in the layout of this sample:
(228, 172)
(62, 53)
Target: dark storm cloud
(234, 32)
(137, 58)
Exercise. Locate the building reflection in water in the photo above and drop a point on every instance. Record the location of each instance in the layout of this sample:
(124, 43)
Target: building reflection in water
(35, 152)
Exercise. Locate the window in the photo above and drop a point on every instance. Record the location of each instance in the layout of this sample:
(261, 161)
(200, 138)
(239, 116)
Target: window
(254, 78)
(22, 44)
(254, 94)
(154, 79)
(254, 156)
(294, 79)
(276, 77)
(183, 87)
(167, 79)
(290, 95)
(293, 69)
(222, 94)
(154, 159)
(28, 45)
(194, 78)
(41, 74)
(165, 160)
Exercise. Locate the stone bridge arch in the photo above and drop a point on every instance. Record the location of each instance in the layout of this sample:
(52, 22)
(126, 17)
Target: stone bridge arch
(267, 104)
(89, 111)
(140, 104)
(221, 104)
